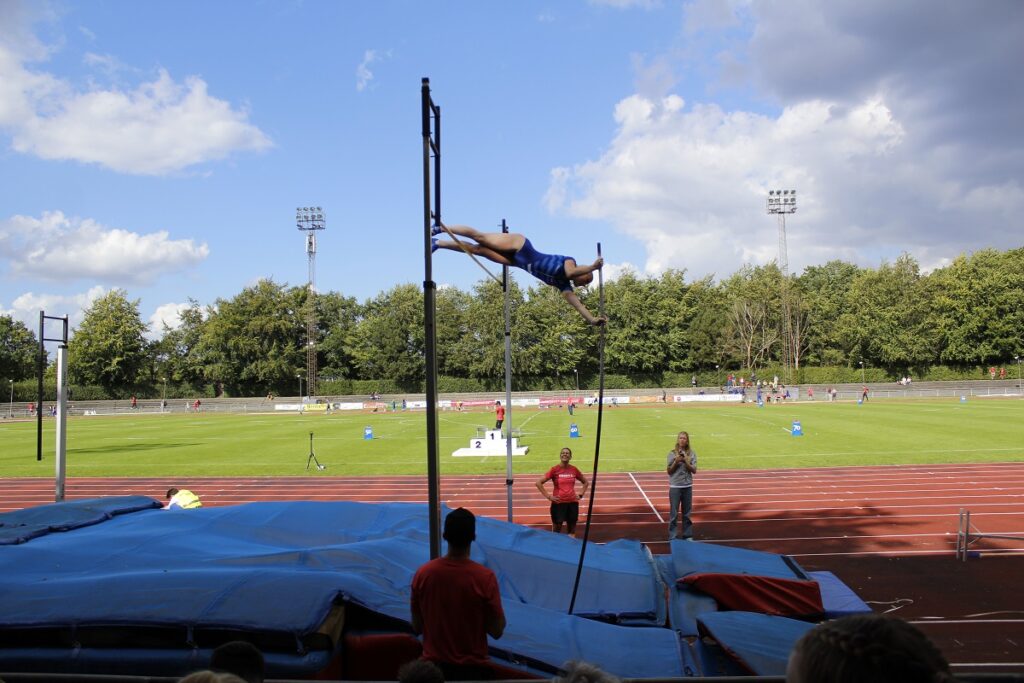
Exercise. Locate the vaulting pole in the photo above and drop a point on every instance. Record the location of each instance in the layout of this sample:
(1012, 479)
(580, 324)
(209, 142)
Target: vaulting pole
(597, 442)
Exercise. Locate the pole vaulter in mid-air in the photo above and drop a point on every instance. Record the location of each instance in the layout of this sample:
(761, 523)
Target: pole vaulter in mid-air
(513, 249)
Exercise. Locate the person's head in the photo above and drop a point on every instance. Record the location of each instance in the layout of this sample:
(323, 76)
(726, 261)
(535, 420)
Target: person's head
(420, 671)
(460, 528)
(497, 403)
(210, 677)
(866, 647)
(682, 442)
(584, 672)
(566, 455)
(583, 280)
(171, 493)
(240, 658)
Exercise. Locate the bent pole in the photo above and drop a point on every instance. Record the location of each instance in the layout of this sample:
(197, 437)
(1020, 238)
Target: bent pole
(597, 439)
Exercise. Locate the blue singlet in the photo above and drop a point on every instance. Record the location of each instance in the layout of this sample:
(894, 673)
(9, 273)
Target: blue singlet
(548, 268)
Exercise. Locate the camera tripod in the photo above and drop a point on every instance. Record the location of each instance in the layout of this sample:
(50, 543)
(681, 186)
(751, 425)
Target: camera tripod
(312, 457)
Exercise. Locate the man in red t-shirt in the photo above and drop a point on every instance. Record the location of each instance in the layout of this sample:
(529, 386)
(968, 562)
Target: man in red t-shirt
(456, 605)
(565, 503)
(499, 414)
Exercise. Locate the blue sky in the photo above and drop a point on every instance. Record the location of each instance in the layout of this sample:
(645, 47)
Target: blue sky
(162, 147)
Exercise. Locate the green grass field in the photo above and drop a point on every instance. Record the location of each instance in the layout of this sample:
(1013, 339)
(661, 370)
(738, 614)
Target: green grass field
(634, 439)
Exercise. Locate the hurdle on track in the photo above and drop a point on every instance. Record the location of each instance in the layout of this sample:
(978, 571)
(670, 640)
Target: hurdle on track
(967, 535)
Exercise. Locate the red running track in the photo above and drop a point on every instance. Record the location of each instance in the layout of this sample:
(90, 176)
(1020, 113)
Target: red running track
(888, 532)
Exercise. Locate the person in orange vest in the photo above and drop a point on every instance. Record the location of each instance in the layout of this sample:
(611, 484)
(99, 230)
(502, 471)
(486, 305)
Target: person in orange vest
(182, 499)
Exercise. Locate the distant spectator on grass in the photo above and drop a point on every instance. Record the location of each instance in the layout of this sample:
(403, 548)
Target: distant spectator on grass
(456, 605)
(182, 499)
(499, 415)
(420, 671)
(240, 658)
(866, 647)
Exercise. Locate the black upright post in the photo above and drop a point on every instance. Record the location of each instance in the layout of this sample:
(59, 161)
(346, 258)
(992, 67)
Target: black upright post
(39, 393)
(431, 214)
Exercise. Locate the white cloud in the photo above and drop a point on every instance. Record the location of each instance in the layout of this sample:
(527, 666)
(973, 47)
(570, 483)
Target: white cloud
(58, 248)
(165, 314)
(27, 306)
(159, 127)
(896, 135)
(363, 73)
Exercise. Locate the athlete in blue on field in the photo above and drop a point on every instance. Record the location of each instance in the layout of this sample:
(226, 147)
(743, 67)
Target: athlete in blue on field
(513, 249)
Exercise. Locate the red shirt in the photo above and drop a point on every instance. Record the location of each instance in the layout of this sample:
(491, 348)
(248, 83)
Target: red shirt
(454, 599)
(564, 480)
(500, 410)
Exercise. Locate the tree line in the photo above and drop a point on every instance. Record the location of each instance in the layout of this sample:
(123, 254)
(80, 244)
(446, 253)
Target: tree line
(663, 331)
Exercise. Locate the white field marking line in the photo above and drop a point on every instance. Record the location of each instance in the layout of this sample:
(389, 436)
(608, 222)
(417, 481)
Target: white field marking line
(705, 512)
(776, 455)
(986, 664)
(941, 621)
(644, 494)
(947, 506)
(865, 498)
(732, 519)
(801, 539)
(901, 553)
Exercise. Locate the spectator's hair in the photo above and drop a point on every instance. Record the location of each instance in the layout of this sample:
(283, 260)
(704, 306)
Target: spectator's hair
(420, 671)
(460, 527)
(867, 647)
(171, 492)
(675, 446)
(210, 677)
(240, 658)
(584, 672)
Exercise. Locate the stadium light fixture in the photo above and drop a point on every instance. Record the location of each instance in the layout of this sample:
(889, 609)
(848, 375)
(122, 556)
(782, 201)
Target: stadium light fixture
(718, 376)
(576, 371)
(10, 409)
(862, 380)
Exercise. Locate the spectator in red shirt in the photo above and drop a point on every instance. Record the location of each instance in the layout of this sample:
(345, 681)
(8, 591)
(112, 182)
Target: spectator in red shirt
(565, 503)
(499, 414)
(456, 605)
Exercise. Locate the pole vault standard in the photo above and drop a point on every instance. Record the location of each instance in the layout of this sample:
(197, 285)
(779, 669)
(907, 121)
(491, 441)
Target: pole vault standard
(508, 381)
(431, 123)
(61, 402)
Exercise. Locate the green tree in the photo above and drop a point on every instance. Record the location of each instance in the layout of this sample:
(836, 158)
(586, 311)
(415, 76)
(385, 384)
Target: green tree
(389, 340)
(886, 320)
(253, 343)
(337, 319)
(19, 350)
(824, 291)
(176, 355)
(108, 349)
(979, 307)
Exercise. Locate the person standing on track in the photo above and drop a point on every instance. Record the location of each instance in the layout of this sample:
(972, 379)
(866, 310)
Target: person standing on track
(682, 465)
(565, 503)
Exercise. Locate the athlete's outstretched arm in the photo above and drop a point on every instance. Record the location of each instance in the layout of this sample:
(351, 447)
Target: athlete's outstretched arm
(575, 270)
(575, 302)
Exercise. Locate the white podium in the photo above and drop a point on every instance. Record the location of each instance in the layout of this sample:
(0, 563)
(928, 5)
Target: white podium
(492, 444)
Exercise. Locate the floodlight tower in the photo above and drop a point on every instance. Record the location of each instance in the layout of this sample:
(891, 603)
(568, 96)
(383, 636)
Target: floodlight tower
(780, 203)
(309, 219)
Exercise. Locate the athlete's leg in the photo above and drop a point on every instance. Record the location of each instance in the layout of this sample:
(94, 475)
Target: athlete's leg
(504, 242)
(477, 250)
